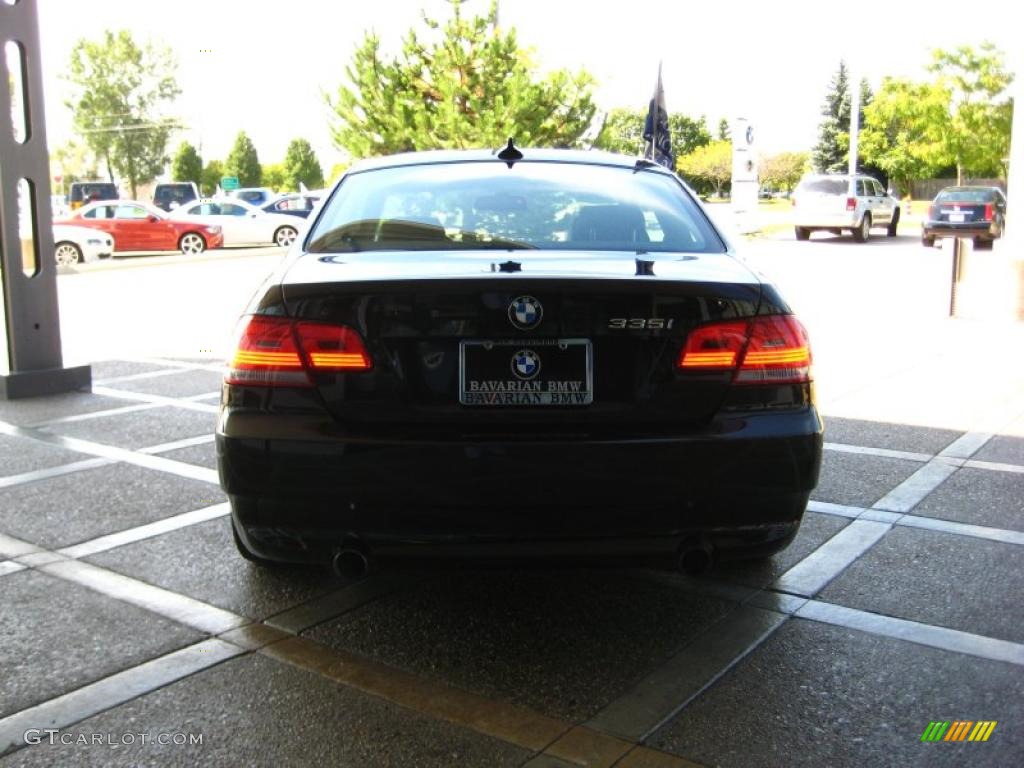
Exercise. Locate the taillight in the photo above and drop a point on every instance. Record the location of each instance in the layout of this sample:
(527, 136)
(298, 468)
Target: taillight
(988, 211)
(851, 203)
(277, 351)
(763, 350)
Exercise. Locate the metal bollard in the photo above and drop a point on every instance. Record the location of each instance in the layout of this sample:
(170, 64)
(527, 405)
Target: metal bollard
(956, 275)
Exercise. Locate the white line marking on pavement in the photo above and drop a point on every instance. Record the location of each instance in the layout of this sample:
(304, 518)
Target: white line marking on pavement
(180, 608)
(158, 463)
(883, 452)
(140, 376)
(9, 566)
(112, 691)
(124, 394)
(908, 494)
(662, 694)
(148, 531)
(966, 445)
(814, 572)
(994, 466)
(50, 472)
(96, 415)
(963, 529)
(840, 510)
(188, 442)
(11, 547)
(914, 632)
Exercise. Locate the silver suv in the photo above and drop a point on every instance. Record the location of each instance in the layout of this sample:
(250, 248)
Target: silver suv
(836, 203)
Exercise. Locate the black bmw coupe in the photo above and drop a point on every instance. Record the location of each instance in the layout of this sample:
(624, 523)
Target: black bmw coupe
(516, 355)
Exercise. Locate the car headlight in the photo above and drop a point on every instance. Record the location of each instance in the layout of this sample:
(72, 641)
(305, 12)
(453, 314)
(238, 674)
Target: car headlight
(94, 241)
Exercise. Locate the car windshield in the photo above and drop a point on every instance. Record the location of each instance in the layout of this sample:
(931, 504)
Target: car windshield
(965, 195)
(488, 205)
(825, 186)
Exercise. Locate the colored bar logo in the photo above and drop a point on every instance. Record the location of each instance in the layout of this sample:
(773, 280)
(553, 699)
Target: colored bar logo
(958, 730)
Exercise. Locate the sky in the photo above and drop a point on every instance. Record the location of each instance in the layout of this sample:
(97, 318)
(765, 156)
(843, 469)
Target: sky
(263, 66)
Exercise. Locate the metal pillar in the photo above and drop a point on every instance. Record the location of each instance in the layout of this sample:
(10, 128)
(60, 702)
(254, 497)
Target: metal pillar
(33, 364)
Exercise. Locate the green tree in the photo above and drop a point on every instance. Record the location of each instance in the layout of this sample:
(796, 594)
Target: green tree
(466, 84)
(905, 129)
(783, 171)
(623, 132)
(187, 165)
(724, 132)
(119, 92)
(336, 170)
(275, 177)
(978, 138)
(243, 162)
(72, 162)
(832, 152)
(709, 165)
(212, 174)
(301, 166)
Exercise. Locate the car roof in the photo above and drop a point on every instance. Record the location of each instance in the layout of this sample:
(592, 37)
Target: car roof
(530, 154)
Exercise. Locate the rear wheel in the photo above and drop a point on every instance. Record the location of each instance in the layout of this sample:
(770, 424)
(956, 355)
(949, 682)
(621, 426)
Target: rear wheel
(192, 243)
(891, 231)
(983, 244)
(863, 230)
(285, 236)
(67, 254)
(802, 233)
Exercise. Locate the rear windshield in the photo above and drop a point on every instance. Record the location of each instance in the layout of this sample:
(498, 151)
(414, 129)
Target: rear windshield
(487, 205)
(180, 193)
(825, 186)
(965, 195)
(81, 191)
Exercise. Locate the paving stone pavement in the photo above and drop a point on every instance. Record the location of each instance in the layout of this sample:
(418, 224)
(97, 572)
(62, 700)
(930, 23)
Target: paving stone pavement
(133, 634)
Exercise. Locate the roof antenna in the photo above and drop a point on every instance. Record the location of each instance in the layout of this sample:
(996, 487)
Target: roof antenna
(510, 154)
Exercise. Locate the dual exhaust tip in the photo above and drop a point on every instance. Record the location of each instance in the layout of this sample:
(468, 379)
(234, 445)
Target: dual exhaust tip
(352, 561)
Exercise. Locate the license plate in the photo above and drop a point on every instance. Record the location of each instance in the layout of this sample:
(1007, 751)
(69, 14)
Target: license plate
(526, 372)
(956, 217)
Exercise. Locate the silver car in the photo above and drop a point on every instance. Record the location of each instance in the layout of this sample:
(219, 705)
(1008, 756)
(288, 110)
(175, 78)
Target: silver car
(838, 203)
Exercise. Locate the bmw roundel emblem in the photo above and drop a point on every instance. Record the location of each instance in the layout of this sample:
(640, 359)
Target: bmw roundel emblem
(525, 364)
(525, 312)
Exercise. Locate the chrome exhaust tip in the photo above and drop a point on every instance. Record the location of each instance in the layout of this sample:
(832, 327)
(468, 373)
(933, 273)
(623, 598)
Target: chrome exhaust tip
(351, 562)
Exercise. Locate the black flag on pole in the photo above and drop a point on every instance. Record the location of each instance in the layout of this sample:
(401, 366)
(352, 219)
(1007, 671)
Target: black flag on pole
(656, 130)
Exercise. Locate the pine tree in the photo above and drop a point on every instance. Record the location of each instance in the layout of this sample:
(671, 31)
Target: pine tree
(187, 165)
(243, 162)
(832, 152)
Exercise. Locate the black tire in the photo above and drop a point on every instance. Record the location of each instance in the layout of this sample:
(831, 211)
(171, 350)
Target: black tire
(863, 230)
(285, 236)
(927, 241)
(891, 231)
(67, 253)
(983, 244)
(192, 244)
(802, 233)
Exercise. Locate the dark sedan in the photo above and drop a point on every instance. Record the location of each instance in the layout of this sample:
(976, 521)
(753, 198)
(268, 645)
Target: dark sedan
(969, 212)
(516, 356)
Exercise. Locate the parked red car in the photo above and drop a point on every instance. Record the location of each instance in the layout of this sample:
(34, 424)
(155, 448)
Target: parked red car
(140, 227)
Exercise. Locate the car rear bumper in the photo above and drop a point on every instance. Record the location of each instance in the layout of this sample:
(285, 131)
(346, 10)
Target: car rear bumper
(967, 229)
(846, 220)
(742, 485)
